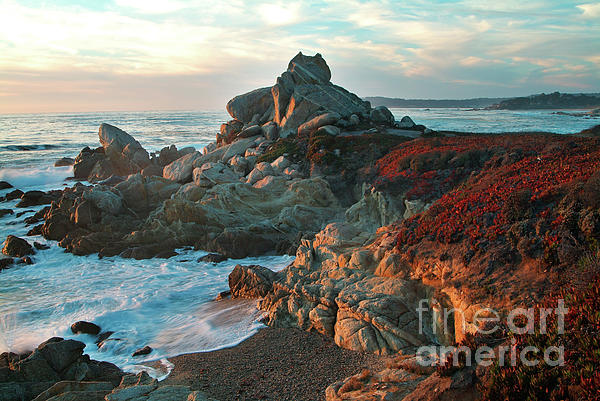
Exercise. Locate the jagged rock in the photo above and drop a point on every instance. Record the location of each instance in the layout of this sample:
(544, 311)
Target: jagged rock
(85, 162)
(17, 247)
(229, 131)
(102, 170)
(250, 281)
(86, 213)
(318, 122)
(124, 152)
(104, 198)
(260, 171)
(152, 170)
(83, 327)
(413, 207)
(190, 192)
(64, 161)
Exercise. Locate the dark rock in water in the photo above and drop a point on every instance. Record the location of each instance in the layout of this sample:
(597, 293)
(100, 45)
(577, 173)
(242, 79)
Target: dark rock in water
(37, 230)
(5, 263)
(16, 247)
(4, 212)
(12, 195)
(382, 115)
(5, 185)
(58, 353)
(251, 281)
(212, 258)
(38, 216)
(83, 327)
(40, 246)
(103, 337)
(64, 161)
(163, 251)
(24, 212)
(142, 351)
(35, 198)
(25, 260)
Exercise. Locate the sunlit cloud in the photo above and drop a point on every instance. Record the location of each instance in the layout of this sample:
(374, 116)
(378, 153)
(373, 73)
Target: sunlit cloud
(591, 10)
(143, 52)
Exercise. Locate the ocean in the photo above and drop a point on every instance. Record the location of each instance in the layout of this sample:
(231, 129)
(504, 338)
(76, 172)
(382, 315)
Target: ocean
(166, 304)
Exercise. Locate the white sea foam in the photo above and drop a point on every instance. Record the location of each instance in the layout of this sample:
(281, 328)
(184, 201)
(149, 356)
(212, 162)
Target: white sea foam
(37, 178)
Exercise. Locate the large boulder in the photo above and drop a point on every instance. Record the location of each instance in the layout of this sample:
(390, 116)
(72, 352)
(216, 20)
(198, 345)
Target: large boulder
(124, 152)
(211, 174)
(382, 115)
(181, 169)
(244, 107)
(250, 281)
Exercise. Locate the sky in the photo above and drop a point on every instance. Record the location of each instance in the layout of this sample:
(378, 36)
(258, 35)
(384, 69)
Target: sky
(69, 55)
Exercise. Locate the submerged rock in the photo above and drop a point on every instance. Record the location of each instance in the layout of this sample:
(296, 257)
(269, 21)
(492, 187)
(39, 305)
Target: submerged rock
(142, 351)
(64, 161)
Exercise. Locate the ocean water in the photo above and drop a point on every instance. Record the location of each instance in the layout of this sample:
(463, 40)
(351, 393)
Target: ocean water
(166, 304)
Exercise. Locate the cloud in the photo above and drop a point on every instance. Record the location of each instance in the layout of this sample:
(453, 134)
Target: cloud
(373, 46)
(590, 10)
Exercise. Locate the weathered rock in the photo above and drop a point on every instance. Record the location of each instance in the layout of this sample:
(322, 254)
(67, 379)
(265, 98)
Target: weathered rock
(104, 198)
(250, 281)
(152, 170)
(318, 122)
(124, 152)
(102, 170)
(240, 165)
(142, 351)
(281, 163)
(382, 115)
(244, 107)
(17, 247)
(211, 174)
(64, 161)
(86, 214)
(83, 327)
(181, 169)
(375, 209)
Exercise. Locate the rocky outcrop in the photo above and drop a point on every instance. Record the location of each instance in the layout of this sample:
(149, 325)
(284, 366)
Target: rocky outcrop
(142, 387)
(125, 154)
(302, 94)
(250, 281)
(55, 367)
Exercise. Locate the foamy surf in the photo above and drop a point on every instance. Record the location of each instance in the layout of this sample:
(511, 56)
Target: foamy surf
(165, 304)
